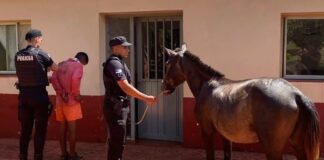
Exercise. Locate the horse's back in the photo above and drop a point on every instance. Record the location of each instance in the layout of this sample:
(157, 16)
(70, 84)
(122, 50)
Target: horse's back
(276, 91)
(274, 105)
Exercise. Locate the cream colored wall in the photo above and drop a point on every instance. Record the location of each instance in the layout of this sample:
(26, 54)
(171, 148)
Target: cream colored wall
(242, 39)
(68, 27)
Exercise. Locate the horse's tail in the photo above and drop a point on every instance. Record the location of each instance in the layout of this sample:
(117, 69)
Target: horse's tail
(309, 121)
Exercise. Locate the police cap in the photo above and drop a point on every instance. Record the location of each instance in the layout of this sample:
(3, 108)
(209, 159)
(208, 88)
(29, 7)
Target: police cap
(32, 34)
(119, 40)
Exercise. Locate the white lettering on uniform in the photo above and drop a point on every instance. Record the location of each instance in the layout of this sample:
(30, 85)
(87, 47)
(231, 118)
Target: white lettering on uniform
(25, 58)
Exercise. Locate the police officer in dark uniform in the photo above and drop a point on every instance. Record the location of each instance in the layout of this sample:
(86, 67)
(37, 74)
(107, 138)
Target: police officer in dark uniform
(32, 65)
(117, 81)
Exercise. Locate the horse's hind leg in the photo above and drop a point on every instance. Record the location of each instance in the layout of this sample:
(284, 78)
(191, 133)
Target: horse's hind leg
(208, 138)
(273, 152)
(300, 151)
(297, 142)
(305, 138)
(227, 145)
(273, 145)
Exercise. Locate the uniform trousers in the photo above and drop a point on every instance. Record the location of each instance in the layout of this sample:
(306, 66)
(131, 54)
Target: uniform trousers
(116, 132)
(34, 108)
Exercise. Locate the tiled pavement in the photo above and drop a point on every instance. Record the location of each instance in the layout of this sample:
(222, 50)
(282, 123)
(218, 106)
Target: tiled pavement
(141, 150)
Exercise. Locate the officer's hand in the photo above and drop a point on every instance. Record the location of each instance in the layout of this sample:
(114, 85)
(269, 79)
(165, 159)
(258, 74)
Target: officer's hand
(78, 98)
(150, 100)
(65, 97)
(50, 79)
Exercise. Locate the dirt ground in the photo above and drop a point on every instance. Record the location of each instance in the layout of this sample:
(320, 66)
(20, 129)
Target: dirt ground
(140, 150)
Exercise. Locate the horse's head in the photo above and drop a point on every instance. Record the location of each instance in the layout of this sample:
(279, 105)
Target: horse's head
(174, 73)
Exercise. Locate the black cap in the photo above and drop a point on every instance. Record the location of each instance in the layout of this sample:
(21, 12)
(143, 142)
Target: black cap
(119, 40)
(32, 34)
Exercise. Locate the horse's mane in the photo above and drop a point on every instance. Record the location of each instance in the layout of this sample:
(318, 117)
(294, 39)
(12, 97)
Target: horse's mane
(204, 67)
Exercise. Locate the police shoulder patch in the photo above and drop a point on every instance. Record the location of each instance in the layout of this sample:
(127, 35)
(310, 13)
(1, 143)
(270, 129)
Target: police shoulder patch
(119, 72)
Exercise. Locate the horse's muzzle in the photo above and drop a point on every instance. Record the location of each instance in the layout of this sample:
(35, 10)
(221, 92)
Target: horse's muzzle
(166, 90)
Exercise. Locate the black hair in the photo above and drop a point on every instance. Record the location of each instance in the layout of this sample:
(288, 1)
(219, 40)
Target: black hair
(81, 55)
(32, 34)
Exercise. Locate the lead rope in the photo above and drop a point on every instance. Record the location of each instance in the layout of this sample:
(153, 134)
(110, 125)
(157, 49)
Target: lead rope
(125, 112)
(145, 111)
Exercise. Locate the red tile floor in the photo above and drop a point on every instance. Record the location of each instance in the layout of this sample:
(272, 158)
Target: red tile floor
(141, 150)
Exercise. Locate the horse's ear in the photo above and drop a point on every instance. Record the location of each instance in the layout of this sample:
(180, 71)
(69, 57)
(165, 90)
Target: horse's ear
(169, 52)
(183, 48)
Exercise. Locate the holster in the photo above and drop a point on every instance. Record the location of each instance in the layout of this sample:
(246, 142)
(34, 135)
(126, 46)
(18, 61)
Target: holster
(119, 102)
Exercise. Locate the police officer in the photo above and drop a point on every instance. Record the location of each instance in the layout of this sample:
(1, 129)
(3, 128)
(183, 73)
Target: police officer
(117, 80)
(32, 65)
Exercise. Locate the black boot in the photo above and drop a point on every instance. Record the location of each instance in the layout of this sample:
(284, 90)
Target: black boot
(22, 156)
(75, 157)
(64, 157)
(38, 157)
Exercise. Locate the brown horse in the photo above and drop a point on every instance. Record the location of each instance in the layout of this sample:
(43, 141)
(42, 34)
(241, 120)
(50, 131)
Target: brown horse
(270, 111)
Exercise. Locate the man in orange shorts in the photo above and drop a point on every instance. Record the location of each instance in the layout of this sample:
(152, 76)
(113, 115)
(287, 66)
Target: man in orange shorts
(66, 82)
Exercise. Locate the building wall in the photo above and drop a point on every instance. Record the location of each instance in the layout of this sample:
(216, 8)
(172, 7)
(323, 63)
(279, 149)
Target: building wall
(243, 39)
(225, 34)
(68, 27)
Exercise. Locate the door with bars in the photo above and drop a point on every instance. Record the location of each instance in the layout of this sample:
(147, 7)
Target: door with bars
(164, 120)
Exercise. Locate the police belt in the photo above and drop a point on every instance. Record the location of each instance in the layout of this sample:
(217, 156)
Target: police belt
(119, 99)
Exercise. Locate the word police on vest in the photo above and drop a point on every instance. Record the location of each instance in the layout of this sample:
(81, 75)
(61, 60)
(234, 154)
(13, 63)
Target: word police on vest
(25, 58)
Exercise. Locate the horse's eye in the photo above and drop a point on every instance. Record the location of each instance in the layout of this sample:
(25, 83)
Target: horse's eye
(167, 67)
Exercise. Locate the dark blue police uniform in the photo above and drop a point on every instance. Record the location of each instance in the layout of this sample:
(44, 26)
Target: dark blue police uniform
(34, 104)
(114, 70)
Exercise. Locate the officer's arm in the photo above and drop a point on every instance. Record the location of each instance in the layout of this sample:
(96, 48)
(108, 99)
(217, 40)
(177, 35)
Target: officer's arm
(48, 62)
(133, 92)
(53, 67)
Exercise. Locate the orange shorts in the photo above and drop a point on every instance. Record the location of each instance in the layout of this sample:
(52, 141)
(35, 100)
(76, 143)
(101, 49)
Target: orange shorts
(68, 113)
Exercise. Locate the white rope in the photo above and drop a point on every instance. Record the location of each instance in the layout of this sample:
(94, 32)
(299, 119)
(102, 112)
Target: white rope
(143, 116)
(145, 111)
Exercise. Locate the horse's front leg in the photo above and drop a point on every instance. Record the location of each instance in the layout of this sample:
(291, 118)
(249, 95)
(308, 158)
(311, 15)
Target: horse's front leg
(227, 145)
(208, 138)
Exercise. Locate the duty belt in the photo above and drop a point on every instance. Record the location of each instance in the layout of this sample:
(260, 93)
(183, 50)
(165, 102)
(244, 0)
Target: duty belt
(118, 99)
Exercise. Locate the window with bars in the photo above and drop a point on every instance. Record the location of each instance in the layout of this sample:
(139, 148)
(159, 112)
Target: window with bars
(12, 39)
(157, 34)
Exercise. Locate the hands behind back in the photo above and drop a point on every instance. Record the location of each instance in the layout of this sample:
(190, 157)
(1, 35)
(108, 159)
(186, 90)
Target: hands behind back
(78, 98)
(65, 97)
